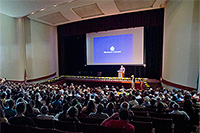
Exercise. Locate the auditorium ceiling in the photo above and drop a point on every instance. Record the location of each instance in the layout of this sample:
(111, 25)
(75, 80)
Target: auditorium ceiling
(58, 12)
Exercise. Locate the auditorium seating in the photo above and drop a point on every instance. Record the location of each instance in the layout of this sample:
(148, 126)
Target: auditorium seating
(87, 128)
(142, 127)
(91, 120)
(40, 130)
(103, 129)
(162, 125)
(65, 125)
(141, 118)
(44, 123)
(141, 113)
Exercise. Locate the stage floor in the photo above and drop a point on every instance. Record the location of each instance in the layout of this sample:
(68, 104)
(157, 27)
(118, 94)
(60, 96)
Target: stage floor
(101, 81)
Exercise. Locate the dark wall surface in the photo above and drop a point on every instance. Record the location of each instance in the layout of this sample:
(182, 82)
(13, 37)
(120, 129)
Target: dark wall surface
(72, 44)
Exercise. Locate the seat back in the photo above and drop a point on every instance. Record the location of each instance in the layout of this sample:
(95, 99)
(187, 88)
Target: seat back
(142, 127)
(142, 118)
(104, 129)
(40, 130)
(5, 127)
(44, 123)
(87, 128)
(18, 129)
(91, 120)
(60, 131)
(179, 121)
(65, 125)
(141, 113)
(162, 125)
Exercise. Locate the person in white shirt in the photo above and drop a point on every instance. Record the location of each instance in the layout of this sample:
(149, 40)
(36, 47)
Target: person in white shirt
(122, 68)
(177, 111)
(44, 116)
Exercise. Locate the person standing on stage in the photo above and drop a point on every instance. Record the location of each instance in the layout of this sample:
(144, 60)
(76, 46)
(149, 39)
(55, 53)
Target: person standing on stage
(122, 68)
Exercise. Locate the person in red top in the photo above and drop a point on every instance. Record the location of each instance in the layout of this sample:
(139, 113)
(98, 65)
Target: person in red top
(122, 122)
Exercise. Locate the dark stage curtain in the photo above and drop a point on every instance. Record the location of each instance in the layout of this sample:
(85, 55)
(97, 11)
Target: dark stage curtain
(72, 44)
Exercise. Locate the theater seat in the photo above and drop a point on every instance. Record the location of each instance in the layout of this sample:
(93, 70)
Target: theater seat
(91, 120)
(65, 125)
(44, 123)
(162, 125)
(87, 128)
(18, 129)
(142, 127)
(104, 129)
(40, 130)
(60, 131)
(141, 118)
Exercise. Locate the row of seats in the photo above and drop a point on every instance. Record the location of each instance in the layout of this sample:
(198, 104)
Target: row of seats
(80, 128)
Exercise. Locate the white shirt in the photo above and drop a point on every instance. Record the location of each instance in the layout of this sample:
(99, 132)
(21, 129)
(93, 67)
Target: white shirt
(181, 113)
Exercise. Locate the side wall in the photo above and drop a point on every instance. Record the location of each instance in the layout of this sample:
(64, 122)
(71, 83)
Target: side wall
(12, 48)
(41, 56)
(181, 42)
(26, 45)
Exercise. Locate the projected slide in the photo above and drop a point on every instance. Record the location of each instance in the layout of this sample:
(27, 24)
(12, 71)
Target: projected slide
(115, 47)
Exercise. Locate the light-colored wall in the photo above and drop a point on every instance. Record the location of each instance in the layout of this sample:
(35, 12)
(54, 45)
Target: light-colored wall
(26, 44)
(181, 42)
(40, 49)
(11, 48)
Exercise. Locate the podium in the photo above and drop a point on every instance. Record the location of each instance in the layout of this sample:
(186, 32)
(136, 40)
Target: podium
(120, 74)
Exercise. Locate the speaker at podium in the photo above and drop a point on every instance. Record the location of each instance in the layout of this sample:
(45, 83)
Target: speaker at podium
(120, 74)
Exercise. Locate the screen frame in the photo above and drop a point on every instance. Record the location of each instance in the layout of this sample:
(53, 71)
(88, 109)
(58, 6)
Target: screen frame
(138, 33)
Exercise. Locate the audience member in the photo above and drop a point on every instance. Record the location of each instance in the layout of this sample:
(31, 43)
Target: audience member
(9, 111)
(44, 114)
(122, 122)
(177, 111)
(19, 118)
(99, 113)
(3, 118)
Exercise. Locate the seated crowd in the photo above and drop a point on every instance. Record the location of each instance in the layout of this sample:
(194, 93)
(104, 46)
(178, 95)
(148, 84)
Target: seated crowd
(22, 102)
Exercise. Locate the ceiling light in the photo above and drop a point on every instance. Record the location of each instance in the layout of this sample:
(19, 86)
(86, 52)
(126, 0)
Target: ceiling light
(70, 1)
(54, 5)
(42, 9)
(32, 13)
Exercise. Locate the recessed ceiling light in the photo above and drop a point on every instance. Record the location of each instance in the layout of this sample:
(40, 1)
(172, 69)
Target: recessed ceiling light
(70, 1)
(54, 5)
(42, 9)
(32, 12)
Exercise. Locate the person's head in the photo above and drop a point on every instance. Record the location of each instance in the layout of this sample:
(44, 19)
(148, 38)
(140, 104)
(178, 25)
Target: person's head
(65, 107)
(124, 105)
(91, 105)
(175, 106)
(20, 107)
(28, 109)
(160, 107)
(110, 105)
(3, 95)
(79, 106)
(74, 101)
(58, 97)
(140, 101)
(171, 104)
(32, 103)
(100, 108)
(10, 103)
(123, 114)
(44, 109)
(72, 112)
(20, 100)
(152, 102)
(133, 97)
